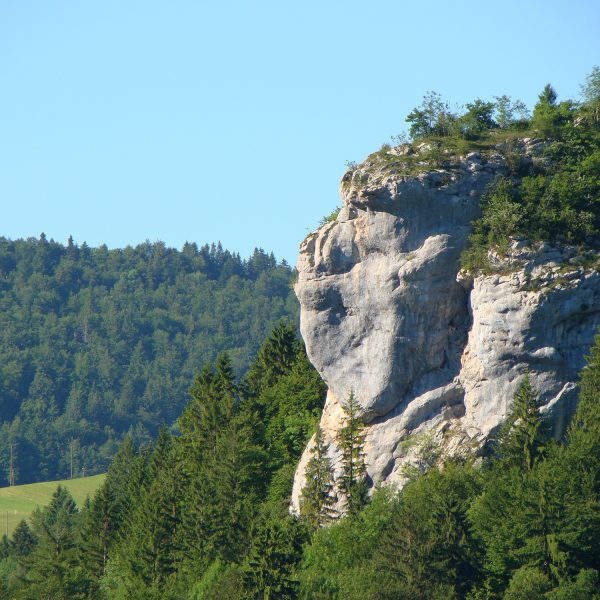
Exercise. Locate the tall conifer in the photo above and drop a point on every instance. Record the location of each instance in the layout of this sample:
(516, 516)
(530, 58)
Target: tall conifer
(318, 496)
(352, 482)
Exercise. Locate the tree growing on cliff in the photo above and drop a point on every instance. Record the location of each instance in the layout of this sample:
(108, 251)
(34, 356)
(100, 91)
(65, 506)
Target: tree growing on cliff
(433, 117)
(521, 438)
(352, 482)
(318, 496)
(509, 113)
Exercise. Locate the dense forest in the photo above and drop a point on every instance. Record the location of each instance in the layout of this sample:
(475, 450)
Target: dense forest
(204, 514)
(97, 343)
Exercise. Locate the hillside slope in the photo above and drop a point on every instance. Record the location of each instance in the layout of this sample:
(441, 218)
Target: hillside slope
(19, 501)
(95, 343)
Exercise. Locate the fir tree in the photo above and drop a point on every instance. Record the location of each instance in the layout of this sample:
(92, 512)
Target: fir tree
(318, 497)
(522, 436)
(99, 530)
(352, 482)
(269, 569)
(275, 358)
(23, 539)
(51, 566)
(6, 547)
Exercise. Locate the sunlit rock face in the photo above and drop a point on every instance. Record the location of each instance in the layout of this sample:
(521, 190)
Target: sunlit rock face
(433, 355)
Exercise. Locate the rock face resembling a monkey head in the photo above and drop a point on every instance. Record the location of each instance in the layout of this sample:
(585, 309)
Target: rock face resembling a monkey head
(428, 350)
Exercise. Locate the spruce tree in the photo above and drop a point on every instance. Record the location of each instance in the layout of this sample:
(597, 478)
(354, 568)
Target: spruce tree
(578, 465)
(152, 551)
(205, 420)
(6, 547)
(352, 482)
(318, 497)
(268, 571)
(23, 539)
(522, 436)
(51, 568)
(99, 530)
(428, 546)
(274, 359)
(237, 481)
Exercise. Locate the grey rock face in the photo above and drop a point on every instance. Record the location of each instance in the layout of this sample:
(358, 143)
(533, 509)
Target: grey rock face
(432, 355)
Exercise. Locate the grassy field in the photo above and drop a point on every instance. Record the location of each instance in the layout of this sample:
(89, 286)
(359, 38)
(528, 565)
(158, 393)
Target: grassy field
(19, 501)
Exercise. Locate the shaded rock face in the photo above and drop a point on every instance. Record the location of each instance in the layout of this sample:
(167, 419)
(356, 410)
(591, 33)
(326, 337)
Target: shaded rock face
(432, 355)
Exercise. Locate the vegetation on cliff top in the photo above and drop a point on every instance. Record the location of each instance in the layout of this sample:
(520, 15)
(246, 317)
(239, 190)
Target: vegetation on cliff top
(551, 195)
(555, 198)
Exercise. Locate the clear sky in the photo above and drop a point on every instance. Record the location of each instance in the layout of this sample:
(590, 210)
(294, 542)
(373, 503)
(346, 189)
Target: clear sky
(125, 120)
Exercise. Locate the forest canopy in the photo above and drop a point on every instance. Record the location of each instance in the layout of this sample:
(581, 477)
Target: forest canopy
(97, 343)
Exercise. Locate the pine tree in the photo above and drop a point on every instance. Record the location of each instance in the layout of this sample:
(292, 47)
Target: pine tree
(6, 547)
(269, 569)
(23, 539)
(152, 550)
(522, 436)
(51, 566)
(274, 359)
(99, 530)
(318, 497)
(352, 482)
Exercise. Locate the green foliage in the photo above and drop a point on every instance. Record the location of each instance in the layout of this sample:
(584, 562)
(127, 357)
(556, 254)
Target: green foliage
(98, 343)
(528, 583)
(336, 560)
(433, 117)
(548, 116)
(51, 566)
(559, 205)
(219, 582)
(551, 196)
(332, 216)
(318, 496)
(23, 540)
(429, 546)
(274, 359)
(586, 586)
(502, 216)
(476, 120)
(352, 482)
(269, 570)
(521, 438)
(510, 114)
(204, 515)
(590, 91)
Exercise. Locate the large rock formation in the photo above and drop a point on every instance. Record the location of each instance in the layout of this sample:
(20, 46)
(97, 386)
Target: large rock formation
(433, 354)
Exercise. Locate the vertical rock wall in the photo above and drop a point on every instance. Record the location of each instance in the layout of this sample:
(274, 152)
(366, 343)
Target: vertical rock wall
(433, 356)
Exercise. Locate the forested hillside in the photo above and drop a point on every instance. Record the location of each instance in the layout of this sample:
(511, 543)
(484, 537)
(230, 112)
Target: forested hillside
(204, 515)
(97, 343)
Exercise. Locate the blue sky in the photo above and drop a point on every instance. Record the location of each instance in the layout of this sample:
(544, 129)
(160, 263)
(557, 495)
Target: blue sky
(126, 120)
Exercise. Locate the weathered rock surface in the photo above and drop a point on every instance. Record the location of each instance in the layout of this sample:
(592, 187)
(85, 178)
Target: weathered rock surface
(434, 356)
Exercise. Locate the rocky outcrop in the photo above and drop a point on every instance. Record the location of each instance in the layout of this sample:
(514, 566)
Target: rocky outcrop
(432, 354)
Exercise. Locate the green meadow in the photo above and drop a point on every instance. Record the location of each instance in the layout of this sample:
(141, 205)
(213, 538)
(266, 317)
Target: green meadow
(19, 501)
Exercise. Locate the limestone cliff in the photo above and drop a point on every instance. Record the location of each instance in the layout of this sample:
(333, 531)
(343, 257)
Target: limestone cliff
(432, 354)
